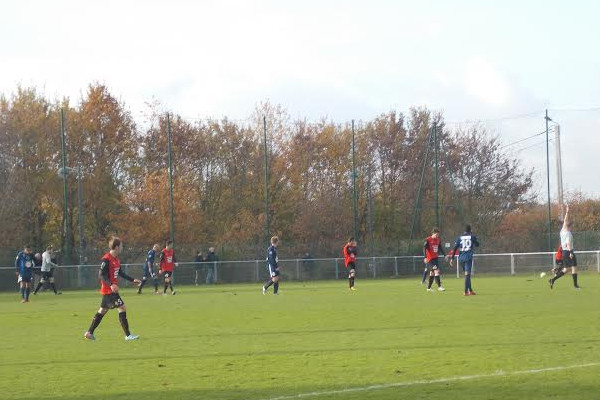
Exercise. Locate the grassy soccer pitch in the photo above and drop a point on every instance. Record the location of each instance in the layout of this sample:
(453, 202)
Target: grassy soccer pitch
(390, 339)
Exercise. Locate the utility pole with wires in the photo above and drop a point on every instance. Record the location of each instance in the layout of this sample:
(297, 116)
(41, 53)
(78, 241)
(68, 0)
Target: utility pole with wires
(548, 119)
(433, 146)
(559, 177)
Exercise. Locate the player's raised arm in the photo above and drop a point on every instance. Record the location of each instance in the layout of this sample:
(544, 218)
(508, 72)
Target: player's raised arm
(566, 220)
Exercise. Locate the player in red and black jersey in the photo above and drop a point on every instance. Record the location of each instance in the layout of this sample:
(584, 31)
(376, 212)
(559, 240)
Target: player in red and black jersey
(431, 248)
(558, 261)
(350, 253)
(167, 264)
(110, 270)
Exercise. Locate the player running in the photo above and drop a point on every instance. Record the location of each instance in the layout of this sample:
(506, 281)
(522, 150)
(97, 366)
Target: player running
(110, 270)
(167, 264)
(431, 248)
(24, 267)
(350, 253)
(568, 256)
(272, 267)
(149, 269)
(464, 244)
(47, 271)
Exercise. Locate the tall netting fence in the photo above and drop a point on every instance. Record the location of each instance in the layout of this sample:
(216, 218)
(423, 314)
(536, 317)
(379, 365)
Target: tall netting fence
(69, 277)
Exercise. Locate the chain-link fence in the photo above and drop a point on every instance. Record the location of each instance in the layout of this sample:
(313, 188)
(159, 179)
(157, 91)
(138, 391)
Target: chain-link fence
(223, 272)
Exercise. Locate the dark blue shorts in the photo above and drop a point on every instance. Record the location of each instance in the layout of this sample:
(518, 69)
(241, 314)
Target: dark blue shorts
(466, 265)
(148, 273)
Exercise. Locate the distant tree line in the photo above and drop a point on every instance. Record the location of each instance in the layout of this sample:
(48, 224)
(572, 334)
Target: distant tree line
(219, 179)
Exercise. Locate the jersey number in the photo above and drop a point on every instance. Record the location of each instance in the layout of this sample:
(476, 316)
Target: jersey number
(465, 244)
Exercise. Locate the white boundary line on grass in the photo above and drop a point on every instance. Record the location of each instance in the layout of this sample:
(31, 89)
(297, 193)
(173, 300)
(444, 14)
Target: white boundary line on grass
(424, 382)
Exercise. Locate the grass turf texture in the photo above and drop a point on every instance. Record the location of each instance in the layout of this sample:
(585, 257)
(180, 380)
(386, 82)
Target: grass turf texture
(231, 342)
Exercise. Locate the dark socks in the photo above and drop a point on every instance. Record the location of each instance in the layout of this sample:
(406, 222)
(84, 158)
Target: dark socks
(438, 281)
(171, 286)
(53, 286)
(268, 284)
(166, 286)
(275, 287)
(27, 291)
(558, 275)
(22, 291)
(575, 280)
(424, 276)
(430, 282)
(38, 287)
(95, 322)
(155, 285)
(142, 285)
(351, 282)
(124, 323)
(468, 287)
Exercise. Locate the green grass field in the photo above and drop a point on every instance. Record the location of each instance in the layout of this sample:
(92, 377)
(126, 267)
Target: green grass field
(388, 340)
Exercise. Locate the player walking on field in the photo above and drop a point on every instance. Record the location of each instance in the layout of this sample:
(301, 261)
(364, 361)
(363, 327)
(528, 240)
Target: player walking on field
(350, 253)
(24, 267)
(272, 267)
(464, 244)
(568, 256)
(149, 269)
(167, 264)
(110, 270)
(431, 248)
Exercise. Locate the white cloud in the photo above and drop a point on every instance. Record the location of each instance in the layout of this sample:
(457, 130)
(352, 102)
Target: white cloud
(485, 82)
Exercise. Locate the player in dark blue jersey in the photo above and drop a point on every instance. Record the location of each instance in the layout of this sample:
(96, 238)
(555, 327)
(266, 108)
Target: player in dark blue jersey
(464, 244)
(149, 269)
(24, 266)
(272, 266)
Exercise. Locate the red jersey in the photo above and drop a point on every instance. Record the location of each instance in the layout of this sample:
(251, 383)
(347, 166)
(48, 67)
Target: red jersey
(167, 261)
(558, 255)
(431, 247)
(350, 253)
(114, 266)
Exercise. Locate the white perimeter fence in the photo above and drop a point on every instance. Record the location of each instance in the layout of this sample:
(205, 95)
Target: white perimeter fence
(190, 273)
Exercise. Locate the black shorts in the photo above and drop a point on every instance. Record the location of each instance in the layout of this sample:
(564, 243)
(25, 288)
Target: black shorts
(46, 275)
(167, 274)
(351, 265)
(567, 260)
(26, 278)
(434, 263)
(111, 301)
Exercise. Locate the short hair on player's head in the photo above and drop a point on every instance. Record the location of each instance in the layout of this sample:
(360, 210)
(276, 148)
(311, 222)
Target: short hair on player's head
(169, 242)
(274, 240)
(435, 230)
(114, 242)
(49, 247)
(351, 239)
(468, 228)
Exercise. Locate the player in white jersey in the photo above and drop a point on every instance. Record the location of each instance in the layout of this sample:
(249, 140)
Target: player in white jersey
(47, 271)
(568, 254)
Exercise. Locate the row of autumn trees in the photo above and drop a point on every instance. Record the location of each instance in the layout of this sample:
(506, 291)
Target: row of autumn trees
(219, 179)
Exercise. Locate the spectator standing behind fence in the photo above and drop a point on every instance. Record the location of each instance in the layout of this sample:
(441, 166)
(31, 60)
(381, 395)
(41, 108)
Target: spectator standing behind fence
(211, 266)
(199, 259)
(308, 263)
(37, 268)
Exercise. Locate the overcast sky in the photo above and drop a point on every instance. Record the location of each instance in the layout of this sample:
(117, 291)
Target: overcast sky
(473, 60)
